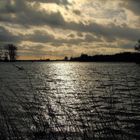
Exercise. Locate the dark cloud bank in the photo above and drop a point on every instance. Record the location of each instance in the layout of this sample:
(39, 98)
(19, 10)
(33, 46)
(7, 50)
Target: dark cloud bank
(23, 13)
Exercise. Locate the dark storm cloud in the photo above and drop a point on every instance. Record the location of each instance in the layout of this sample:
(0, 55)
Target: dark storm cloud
(39, 36)
(26, 14)
(129, 45)
(34, 50)
(107, 31)
(64, 2)
(133, 5)
(45, 37)
(90, 38)
(40, 50)
(6, 36)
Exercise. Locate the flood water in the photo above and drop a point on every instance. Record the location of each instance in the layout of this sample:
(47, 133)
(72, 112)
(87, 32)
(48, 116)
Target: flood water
(69, 101)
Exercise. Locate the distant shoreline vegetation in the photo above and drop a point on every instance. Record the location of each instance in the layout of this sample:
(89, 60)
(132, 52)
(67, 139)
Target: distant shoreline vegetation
(9, 54)
(119, 57)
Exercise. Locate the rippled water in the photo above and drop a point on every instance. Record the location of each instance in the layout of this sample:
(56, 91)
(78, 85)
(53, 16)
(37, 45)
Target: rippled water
(70, 101)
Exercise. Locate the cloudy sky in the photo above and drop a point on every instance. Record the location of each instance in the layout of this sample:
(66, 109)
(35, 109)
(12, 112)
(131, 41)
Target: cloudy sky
(57, 28)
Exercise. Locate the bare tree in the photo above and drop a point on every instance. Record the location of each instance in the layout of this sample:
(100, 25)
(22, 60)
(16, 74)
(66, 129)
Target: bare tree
(12, 51)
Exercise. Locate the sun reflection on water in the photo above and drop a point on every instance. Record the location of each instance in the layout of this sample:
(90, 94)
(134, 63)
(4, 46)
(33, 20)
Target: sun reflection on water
(64, 94)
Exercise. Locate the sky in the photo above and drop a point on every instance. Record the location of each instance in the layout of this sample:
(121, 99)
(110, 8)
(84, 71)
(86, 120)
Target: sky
(53, 29)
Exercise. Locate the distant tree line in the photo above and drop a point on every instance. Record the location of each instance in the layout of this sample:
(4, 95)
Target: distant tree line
(8, 53)
(120, 57)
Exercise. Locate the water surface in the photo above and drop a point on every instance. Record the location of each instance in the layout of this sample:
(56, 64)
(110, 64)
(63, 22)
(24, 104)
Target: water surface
(69, 100)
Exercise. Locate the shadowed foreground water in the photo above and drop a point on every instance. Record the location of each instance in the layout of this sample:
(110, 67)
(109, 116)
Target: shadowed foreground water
(69, 101)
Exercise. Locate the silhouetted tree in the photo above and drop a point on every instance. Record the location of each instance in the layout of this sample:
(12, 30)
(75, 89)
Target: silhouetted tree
(66, 58)
(137, 46)
(12, 51)
(84, 57)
